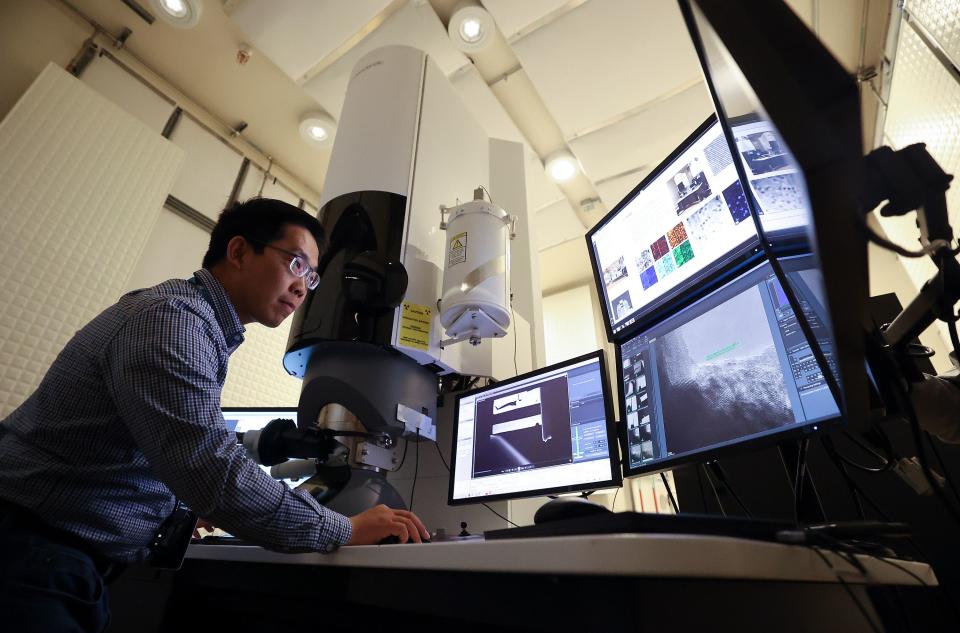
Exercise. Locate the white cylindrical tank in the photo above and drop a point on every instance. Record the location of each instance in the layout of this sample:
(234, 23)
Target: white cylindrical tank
(475, 302)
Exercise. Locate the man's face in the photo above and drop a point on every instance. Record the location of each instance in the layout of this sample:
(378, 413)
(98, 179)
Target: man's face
(270, 291)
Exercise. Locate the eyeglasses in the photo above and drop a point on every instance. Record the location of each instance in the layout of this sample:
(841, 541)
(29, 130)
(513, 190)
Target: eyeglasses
(298, 266)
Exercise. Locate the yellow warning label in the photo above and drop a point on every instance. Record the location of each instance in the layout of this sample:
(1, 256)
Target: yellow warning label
(458, 249)
(415, 322)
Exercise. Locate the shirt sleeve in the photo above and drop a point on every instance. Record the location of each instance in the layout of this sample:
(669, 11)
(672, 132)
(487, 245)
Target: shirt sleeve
(162, 371)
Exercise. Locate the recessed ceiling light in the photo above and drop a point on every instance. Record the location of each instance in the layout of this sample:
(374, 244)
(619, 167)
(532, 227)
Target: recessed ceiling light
(317, 129)
(561, 166)
(182, 14)
(471, 27)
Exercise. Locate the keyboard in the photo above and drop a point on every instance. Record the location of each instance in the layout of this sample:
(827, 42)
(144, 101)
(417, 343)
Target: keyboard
(648, 523)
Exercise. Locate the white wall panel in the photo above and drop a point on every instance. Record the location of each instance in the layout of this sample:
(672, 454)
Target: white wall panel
(568, 325)
(110, 79)
(174, 250)
(256, 377)
(209, 170)
(557, 223)
(272, 188)
(924, 106)
(83, 184)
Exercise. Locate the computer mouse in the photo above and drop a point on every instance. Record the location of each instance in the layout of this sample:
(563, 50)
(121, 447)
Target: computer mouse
(567, 508)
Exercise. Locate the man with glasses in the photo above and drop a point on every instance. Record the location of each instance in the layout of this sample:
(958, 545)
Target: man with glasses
(127, 422)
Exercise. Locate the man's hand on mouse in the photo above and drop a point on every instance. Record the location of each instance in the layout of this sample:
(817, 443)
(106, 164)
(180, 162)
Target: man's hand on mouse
(379, 522)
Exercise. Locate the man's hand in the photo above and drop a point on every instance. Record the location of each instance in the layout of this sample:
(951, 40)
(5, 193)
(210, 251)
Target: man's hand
(379, 522)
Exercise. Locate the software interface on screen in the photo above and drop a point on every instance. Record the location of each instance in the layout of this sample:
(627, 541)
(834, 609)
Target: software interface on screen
(732, 367)
(241, 421)
(689, 218)
(544, 432)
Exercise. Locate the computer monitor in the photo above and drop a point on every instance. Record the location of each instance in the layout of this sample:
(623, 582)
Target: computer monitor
(730, 370)
(687, 221)
(793, 114)
(243, 419)
(544, 432)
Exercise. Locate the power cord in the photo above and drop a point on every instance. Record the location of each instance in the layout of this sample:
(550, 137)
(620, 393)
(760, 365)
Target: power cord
(673, 501)
(445, 465)
(716, 495)
(416, 469)
(846, 587)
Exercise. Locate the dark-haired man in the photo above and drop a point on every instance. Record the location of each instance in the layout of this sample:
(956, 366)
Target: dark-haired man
(127, 420)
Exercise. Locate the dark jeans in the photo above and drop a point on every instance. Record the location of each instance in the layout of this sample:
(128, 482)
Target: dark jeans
(47, 586)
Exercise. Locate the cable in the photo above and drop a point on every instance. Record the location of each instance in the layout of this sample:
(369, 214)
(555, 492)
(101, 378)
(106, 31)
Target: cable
(883, 242)
(614, 504)
(673, 501)
(722, 476)
(798, 481)
(846, 477)
(440, 453)
(416, 469)
(513, 319)
(846, 587)
(706, 472)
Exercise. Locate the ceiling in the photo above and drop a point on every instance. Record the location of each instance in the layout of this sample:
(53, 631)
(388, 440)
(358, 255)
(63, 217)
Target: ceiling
(615, 81)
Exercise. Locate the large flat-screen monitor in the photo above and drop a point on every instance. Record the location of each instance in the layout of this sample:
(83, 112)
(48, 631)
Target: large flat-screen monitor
(548, 431)
(729, 370)
(243, 419)
(685, 222)
(792, 113)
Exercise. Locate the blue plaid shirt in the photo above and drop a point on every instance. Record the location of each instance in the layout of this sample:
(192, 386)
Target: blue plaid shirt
(129, 415)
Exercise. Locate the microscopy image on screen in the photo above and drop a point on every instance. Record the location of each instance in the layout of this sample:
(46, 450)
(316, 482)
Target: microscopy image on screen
(523, 429)
(676, 235)
(720, 376)
(763, 152)
(688, 185)
(737, 202)
(708, 222)
(645, 260)
(660, 247)
(778, 194)
(622, 306)
(648, 277)
(683, 253)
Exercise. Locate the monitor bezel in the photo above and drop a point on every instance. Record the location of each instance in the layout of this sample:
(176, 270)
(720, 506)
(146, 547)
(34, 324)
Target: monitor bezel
(815, 106)
(613, 444)
(676, 298)
(793, 432)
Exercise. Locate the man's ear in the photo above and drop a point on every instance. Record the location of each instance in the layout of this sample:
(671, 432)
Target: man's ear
(238, 250)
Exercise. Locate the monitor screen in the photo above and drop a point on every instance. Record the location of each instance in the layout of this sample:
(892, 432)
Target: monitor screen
(730, 369)
(792, 113)
(686, 221)
(242, 419)
(544, 432)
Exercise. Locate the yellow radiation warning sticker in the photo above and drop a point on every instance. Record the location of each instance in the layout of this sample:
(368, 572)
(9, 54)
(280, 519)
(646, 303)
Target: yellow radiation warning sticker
(415, 321)
(458, 249)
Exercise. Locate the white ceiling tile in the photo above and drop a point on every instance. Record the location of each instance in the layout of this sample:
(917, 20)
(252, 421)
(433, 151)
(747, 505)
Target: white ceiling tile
(512, 16)
(645, 138)
(555, 224)
(614, 190)
(606, 58)
(296, 34)
(415, 25)
(485, 108)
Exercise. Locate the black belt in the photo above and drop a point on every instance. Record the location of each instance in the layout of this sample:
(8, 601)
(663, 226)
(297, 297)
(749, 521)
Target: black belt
(25, 519)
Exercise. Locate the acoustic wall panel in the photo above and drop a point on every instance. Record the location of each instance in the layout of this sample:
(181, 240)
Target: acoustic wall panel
(83, 184)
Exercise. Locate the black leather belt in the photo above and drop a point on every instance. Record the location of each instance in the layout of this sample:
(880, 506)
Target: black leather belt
(30, 522)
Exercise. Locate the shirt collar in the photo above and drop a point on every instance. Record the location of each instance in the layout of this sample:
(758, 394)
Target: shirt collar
(223, 309)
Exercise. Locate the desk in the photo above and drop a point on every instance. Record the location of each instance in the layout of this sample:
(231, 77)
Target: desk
(619, 582)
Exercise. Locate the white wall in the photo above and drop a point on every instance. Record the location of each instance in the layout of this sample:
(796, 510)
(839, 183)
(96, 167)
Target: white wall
(569, 327)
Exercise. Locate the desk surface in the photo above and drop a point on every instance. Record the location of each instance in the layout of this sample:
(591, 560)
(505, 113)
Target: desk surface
(644, 555)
